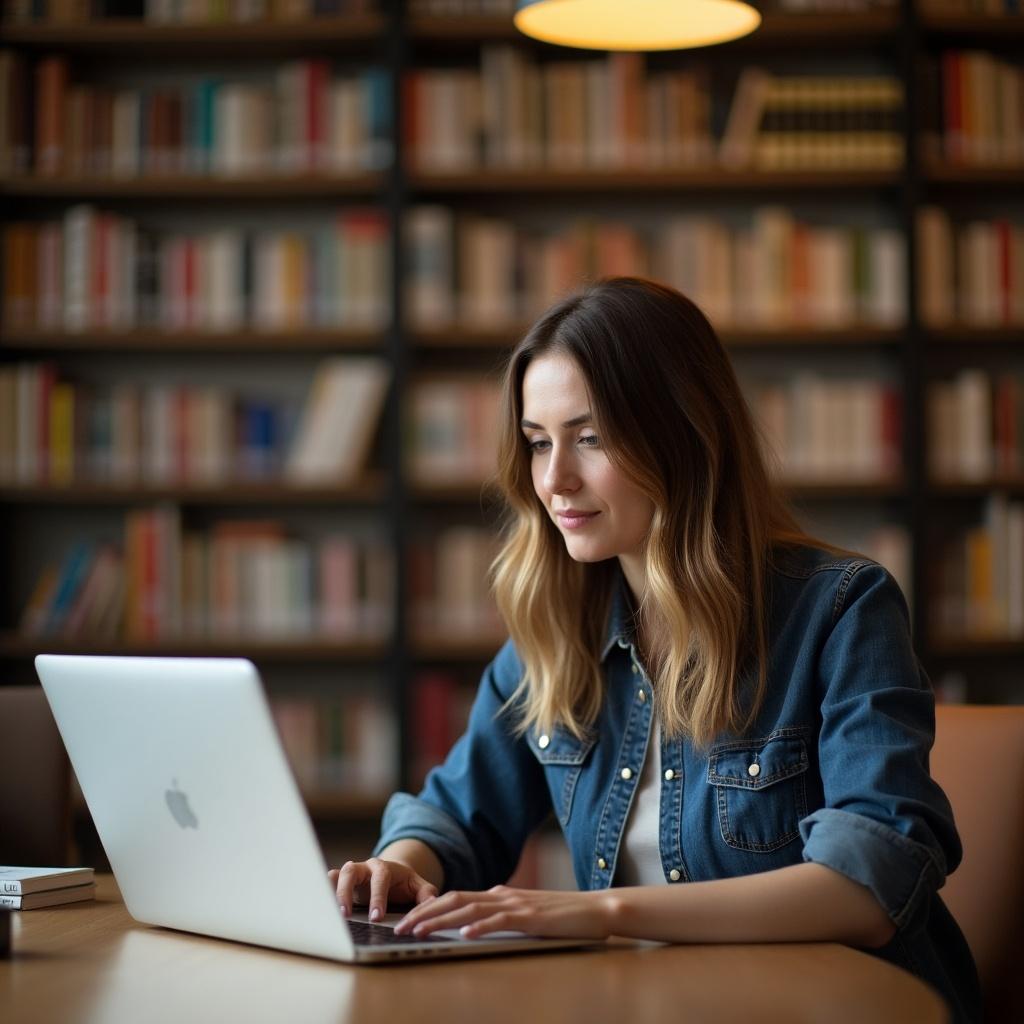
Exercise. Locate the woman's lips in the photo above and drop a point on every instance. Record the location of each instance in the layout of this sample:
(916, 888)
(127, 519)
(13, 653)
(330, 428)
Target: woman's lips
(574, 520)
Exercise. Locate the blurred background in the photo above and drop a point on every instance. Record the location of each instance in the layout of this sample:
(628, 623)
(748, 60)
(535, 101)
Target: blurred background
(263, 259)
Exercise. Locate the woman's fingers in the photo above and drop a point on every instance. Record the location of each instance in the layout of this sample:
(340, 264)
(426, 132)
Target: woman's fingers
(448, 911)
(346, 880)
(380, 886)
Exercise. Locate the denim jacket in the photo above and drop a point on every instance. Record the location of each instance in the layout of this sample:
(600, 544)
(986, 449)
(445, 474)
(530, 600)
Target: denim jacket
(834, 770)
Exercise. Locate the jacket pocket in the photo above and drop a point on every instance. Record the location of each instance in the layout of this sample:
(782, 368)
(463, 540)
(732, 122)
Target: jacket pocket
(562, 756)
(760, 790)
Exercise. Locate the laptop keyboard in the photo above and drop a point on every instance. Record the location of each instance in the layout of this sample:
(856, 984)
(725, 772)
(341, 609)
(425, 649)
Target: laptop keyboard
(364, 934)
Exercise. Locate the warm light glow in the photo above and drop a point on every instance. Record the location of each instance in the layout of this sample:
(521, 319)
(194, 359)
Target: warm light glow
(635, 24)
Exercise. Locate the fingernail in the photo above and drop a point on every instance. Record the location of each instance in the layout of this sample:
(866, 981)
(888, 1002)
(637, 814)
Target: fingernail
(466, 929)
(344, 910)
(375, 914)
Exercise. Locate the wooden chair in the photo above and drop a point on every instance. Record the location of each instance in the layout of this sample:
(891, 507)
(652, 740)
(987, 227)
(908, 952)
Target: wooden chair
(978, 759)
(35, 818)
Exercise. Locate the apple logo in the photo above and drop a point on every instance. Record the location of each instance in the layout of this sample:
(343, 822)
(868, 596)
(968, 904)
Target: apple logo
(177, 801)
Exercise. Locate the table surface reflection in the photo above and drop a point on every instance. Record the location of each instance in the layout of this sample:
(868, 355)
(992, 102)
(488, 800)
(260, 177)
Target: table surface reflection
(92, 963)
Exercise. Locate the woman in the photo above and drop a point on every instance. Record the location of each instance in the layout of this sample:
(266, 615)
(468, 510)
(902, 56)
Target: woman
(701, 692)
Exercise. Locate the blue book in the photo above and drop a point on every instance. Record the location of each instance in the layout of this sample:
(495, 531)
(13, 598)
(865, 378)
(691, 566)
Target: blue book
(72, 576)
(377, 93)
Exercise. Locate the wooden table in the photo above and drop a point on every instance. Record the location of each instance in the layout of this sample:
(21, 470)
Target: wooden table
(93, 963)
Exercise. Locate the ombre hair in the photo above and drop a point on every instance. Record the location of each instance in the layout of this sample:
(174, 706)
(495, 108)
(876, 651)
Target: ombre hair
(671, 417)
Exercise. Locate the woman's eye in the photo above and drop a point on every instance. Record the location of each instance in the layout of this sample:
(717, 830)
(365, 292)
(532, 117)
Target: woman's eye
(590, 441)
(538, 446)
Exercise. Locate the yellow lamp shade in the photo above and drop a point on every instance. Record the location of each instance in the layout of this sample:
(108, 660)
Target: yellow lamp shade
(635, 24)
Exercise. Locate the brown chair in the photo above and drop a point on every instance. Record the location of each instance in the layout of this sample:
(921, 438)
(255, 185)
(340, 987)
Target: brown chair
(35, 819)
(978, 759)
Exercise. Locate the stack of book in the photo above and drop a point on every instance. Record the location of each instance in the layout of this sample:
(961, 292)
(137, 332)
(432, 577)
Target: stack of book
(32, 888)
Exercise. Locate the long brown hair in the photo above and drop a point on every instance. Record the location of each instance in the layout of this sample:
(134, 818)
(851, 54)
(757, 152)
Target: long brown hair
(672, 418)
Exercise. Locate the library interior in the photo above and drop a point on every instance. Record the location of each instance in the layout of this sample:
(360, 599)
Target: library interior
(263, 264)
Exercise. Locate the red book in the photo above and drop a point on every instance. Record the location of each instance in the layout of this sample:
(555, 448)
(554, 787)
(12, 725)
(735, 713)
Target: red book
(1006, 424)
(433, 697)
(411, 87)
(51, 98)
(952, 105)
(892, 431)
(318, 82)
(189, 282)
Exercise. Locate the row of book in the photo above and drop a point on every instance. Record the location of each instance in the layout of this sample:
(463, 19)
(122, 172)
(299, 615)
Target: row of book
(775, 272)
(339, 744)
(982, 108)
(819, 429)
(976, 426)
(801, 122)
(305, 118)
(240, 578)
(445, 8)
(452, 436)
(449, 588)
(978, 576)
(970, 273)
(177, 12)
(99, 270)
(516, 112)
(59, 432)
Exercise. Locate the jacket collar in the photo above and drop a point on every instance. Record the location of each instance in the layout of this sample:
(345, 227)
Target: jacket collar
(621, 627)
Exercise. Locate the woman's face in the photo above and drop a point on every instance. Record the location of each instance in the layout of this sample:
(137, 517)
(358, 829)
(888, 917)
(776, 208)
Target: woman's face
(600, 513)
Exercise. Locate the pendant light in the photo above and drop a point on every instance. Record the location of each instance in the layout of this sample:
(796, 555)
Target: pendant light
(635, 24)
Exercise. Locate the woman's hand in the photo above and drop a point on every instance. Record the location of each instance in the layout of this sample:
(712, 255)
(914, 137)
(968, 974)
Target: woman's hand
(377, 881)
(569, 915)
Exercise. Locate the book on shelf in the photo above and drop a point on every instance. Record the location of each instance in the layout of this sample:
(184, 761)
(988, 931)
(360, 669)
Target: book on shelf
(241, 578)
(339, 744)
(98, 270)
(819, 430)
(776, 272)
(20, 881)
(302, 118)
(979, 576)
(173, 12)
(439, 712)
(339, 421)
(982, 109)
(49, 898)
(799, 122)
(970, 273)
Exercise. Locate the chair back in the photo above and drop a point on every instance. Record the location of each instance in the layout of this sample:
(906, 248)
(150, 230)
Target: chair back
(34, 781)
(978, 759)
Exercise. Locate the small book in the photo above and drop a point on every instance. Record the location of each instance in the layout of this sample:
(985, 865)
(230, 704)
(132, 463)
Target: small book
(49, 897)
(15, 881)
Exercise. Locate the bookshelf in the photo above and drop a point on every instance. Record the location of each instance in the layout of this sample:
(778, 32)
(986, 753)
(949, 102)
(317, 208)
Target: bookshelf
(907, 354)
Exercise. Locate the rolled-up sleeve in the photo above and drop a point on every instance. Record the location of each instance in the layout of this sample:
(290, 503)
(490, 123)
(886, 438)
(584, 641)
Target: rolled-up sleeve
(885, 824)
(477, 810)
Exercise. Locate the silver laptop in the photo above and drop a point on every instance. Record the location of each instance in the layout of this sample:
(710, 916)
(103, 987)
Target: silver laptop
(200, 816)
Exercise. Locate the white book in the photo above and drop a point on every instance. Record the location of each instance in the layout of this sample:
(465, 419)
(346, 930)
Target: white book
(18, 881)
(429, 281)
(51, 898)
(79, 228)
(339, 420)
(974, 395)
(888, 285)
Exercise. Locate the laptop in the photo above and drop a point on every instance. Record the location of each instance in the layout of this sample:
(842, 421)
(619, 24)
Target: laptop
(202, 821)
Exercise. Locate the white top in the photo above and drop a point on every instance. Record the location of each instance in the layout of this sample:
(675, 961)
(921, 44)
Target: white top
(639, 860)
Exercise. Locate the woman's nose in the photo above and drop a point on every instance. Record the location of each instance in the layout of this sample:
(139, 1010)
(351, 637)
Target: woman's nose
(560, 475)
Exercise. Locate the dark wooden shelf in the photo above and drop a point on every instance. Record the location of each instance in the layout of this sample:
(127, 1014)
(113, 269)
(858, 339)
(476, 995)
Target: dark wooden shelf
(803, 490)
(366, 491)
(340, 807)
(969, 337)
(290, 187)
(999, 29)
(977, 488)
(733, 337)
(712, 179)
(838, 29)
(175, 42)
(973, 647)
(298, 339)
(938, 172)
(462, 649)
(257, 648)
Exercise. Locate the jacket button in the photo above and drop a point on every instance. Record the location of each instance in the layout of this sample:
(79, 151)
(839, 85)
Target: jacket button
(602, 863)
(627, 773)
(754, 770)
(641, 695)
(669, 775)
(674, 875)
(543, 742)
(635, 669)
